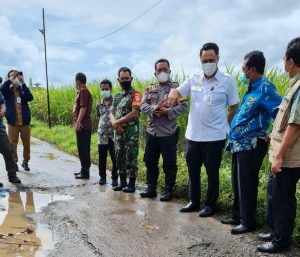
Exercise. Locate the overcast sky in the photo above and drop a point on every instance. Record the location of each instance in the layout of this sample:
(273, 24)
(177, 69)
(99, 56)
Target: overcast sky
(175, 29)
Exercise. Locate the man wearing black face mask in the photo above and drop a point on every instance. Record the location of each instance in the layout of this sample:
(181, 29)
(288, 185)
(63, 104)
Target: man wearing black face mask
(125, 121)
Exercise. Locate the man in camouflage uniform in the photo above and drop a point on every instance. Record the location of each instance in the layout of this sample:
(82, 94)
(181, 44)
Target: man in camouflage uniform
(125, 120)
(162, 131)
(284, 154)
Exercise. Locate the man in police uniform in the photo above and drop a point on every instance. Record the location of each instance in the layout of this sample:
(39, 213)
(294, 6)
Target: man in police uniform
(124, 117)
(284, 154)
(161, 131)
(211, 93)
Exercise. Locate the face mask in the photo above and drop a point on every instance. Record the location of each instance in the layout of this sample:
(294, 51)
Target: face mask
(105, 94)
(163, 77)
(209, 68)
(125, 85)
(244, 79)
(17, 82)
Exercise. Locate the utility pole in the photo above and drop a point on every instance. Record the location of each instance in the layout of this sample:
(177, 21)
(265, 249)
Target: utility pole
(43, 31)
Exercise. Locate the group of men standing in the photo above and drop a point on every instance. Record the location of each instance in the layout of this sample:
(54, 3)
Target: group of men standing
(215, 118)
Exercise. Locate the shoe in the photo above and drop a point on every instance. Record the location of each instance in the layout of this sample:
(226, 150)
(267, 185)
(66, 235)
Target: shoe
(149, 193)
(241, 229)
(190, 207)
(1, 184)
(120, 187)
(130, 188)
(275, 246)
(82, 176)
(231, 221)
(14, 179)
(77, 173)
(114, 183)
(102, 181)
(207, 211)
(167, 196)
(25, 166)
(266, 237)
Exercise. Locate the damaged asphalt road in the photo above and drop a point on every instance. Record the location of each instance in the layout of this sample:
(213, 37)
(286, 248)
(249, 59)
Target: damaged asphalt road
(80, 218)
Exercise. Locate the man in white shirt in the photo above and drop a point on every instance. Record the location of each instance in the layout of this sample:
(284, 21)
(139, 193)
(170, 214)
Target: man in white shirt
(211, 93)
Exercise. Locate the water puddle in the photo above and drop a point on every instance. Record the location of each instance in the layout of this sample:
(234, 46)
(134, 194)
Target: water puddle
(20, 236)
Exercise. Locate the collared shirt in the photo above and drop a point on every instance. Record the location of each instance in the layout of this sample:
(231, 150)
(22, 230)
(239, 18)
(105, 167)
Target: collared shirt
(123, 103)
(209, 100)
(165, 125)
(295, 109)
(252, 119)
(83, 99)
(1, 102)
(104, 125)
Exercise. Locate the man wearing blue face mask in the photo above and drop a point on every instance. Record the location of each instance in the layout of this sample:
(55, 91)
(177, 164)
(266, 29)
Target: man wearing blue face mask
(248, 140)
(211, 92)
(105, 134)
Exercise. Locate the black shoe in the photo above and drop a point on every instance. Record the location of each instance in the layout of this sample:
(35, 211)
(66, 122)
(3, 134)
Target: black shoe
(114, 183)
(1, 184)
(77, 173)
(190, 207)
(25, 166)
(149, 193)
(275, 246)
(231, 221)
(167, 196)
(241, 229)
(130, 188)
(120, 187)
(82, 176)
(207, 211)
(102, 181)
(266, 237)
(14, 179)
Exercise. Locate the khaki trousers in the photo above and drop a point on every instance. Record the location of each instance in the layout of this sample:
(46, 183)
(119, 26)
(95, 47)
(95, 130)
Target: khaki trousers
(13, 135)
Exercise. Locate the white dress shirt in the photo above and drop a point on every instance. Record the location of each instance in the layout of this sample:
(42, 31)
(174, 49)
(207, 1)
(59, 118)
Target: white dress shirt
(209, 101)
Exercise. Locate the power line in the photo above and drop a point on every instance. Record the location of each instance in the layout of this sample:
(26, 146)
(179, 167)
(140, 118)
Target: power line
(112, 32)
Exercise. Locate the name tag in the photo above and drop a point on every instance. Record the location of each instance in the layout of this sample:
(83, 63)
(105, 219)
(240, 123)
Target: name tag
(18, 100)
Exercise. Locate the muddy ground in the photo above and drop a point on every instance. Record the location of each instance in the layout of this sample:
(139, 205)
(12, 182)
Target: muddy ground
(81, 218)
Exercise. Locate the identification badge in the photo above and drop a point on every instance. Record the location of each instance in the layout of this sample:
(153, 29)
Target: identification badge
(18, 100)
(207, 99)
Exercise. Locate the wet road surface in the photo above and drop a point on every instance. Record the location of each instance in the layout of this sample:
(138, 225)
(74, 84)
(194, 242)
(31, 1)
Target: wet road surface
(71, 217)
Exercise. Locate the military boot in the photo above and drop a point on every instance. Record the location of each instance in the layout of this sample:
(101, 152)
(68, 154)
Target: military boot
(122, 184)
(149, 193)
(130, 187)
(167, 195)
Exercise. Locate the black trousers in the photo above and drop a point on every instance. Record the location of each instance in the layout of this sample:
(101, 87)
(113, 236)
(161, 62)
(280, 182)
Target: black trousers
(209, 154)
(281, 202)
(84, 148)
(245, 179)
(6, 151)
(166, 146)
(102, 155)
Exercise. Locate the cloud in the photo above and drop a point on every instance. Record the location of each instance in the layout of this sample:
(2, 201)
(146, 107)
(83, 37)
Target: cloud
(174, 30)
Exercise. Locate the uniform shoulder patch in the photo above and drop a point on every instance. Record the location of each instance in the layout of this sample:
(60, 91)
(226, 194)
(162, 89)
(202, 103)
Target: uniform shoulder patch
(136, 99)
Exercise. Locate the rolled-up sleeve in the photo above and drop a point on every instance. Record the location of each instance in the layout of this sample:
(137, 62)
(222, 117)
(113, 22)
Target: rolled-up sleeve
(295, 110)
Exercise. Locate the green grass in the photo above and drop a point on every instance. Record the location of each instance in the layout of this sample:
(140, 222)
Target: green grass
(62, 135)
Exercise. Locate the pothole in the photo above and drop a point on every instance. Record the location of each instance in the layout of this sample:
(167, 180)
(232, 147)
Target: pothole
(19, 235)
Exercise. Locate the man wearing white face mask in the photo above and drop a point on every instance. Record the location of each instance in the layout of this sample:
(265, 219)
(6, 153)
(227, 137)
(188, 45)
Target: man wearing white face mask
(161, 137)
(17, 95)
(211, 93)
